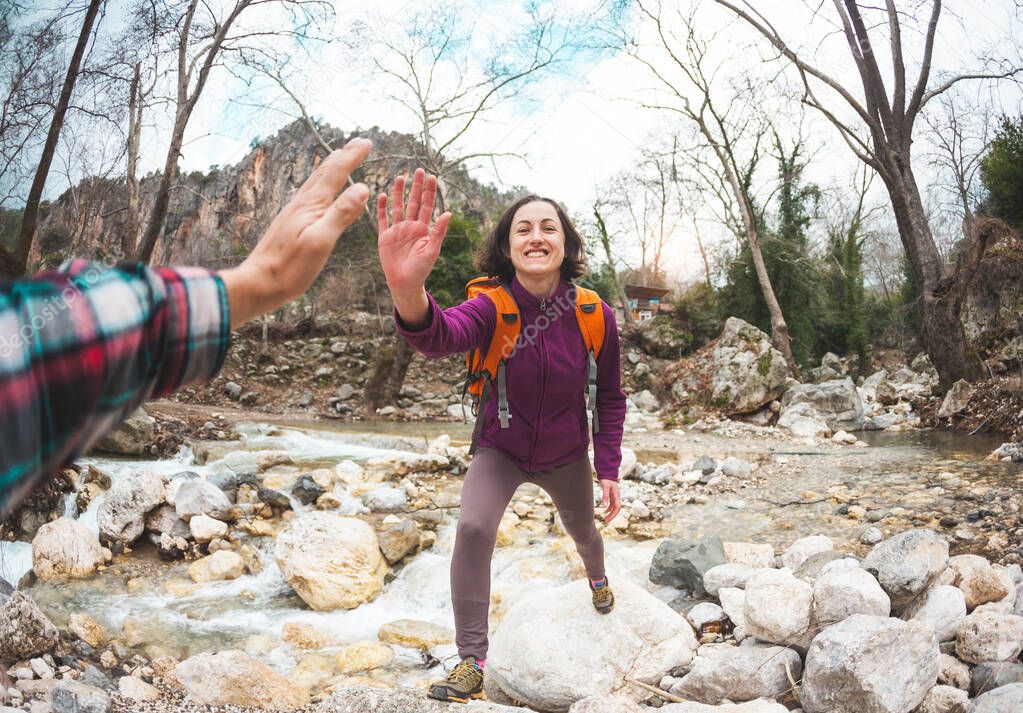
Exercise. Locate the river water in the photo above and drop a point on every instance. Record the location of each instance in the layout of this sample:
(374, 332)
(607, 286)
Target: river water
(796, 491)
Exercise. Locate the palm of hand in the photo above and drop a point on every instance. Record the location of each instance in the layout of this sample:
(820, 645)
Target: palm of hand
(409, 247)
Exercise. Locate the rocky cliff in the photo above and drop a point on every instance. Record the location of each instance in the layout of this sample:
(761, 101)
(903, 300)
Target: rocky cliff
(217, 216)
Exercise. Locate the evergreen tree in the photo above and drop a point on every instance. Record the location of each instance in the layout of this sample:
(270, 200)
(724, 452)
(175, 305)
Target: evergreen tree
(1002, 174)
(454, 266)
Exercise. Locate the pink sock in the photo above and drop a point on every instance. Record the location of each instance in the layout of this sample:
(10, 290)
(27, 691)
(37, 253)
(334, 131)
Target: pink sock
(600, 580)
(480, 662)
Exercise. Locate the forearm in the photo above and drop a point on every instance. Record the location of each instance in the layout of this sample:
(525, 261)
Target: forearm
(83, 347)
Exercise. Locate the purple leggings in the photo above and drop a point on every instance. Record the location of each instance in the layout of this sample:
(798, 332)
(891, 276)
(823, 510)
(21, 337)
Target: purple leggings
(489, 484)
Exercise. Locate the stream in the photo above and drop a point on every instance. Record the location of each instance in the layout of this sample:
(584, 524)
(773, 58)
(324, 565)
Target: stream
(796, 490)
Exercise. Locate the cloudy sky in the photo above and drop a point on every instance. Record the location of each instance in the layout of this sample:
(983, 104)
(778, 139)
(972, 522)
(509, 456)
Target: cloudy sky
(579, 128)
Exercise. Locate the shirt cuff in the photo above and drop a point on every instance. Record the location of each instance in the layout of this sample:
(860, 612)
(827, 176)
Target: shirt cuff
(431, 323)
(198, 329)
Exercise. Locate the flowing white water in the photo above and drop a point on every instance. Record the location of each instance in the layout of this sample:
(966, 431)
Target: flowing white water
(229, 614)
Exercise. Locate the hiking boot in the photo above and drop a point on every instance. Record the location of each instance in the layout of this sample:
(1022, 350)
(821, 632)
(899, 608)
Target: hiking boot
(465, 681)
(603, 597)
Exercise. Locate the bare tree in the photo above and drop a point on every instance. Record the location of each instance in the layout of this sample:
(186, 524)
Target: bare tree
(605, 237)
(447, 89)
(13, 262)
(731, 131)
(889, 119)
(202, 39)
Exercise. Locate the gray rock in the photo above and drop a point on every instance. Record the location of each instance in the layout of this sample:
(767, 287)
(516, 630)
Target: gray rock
(957, 398)
(705, 464)
(869, 664)
(200, 497)
(165, 519)
(386, 499)
(705, 613)
(682, 563)
(736, 467)
(399, 539)
(814, 565)
(837, 402)
(803, 421)
(361, 699)
(907, 563)
(274, 498)
(741, 673)
(747, 371)
(25, 630)
(122, 513)
(871, 536)
(990, 675)
(306, 490)
(74, 697)
(233, 390)
(131, 436)
(1007, 699)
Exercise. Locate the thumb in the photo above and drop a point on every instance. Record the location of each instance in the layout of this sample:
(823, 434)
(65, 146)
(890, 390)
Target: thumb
(439, 230)
(340, 214)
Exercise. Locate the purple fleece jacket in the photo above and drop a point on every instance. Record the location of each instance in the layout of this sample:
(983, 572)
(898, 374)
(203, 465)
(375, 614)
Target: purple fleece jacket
(546, 378)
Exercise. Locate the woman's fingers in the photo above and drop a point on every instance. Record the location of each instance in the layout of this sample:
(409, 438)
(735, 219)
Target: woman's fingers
(439, 230)
(381, 214)
(429, 200)
(398, 200)
(415, 195)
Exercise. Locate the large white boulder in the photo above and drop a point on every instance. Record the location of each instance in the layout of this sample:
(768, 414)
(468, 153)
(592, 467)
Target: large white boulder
(837, 402)
(869, 664)
(740, 673)
(803, 420)
(201, 497)
(330, 560)
(778, 607)
(1001, 700)
(233, 678)
(747, 371)
(131, 435)
(942, 608)
(989, 636)
(535, 656)
(121, 515)
(65, 549)
(907, 563)
(840, 593)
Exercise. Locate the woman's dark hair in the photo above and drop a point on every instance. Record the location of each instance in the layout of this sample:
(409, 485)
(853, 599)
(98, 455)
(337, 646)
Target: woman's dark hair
(493, 256)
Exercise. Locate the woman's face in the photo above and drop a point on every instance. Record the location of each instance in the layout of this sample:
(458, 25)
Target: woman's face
(537, 240)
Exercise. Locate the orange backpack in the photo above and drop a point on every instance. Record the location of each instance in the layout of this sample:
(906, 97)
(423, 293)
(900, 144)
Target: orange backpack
(484, 369)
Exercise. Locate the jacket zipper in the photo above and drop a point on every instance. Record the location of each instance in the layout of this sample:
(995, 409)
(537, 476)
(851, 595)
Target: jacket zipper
(543, 388)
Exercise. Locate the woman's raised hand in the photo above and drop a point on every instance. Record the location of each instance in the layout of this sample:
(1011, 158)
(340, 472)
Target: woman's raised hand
(409, 246)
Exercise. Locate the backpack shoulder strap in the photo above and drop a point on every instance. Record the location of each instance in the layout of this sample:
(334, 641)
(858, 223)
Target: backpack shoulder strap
(590, 314)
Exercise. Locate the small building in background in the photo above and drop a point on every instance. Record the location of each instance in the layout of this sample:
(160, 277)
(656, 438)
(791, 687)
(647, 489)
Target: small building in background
(646, 301)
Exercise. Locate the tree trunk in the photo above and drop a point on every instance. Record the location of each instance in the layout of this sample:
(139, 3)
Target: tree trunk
(158, 218)
(940, 304)
(779, 328)
(131, 228)
(13, 264)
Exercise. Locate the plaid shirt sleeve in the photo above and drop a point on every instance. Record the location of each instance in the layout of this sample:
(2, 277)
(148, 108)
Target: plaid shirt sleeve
(84, 346)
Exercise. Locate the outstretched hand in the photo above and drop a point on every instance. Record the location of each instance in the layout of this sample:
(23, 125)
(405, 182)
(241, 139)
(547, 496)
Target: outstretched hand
(298, 242)
(409, 246)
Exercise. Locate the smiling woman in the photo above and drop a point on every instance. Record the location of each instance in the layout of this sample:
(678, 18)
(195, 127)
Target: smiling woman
(566, 356)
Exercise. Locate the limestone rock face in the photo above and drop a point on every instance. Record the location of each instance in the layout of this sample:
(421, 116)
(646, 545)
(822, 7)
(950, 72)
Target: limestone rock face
(869, 664)
(330, 560)
(121, 515)
(233, 678)
(748, 372)
(25, 631)
(641, 638)
(65, 549)
(907, 563)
